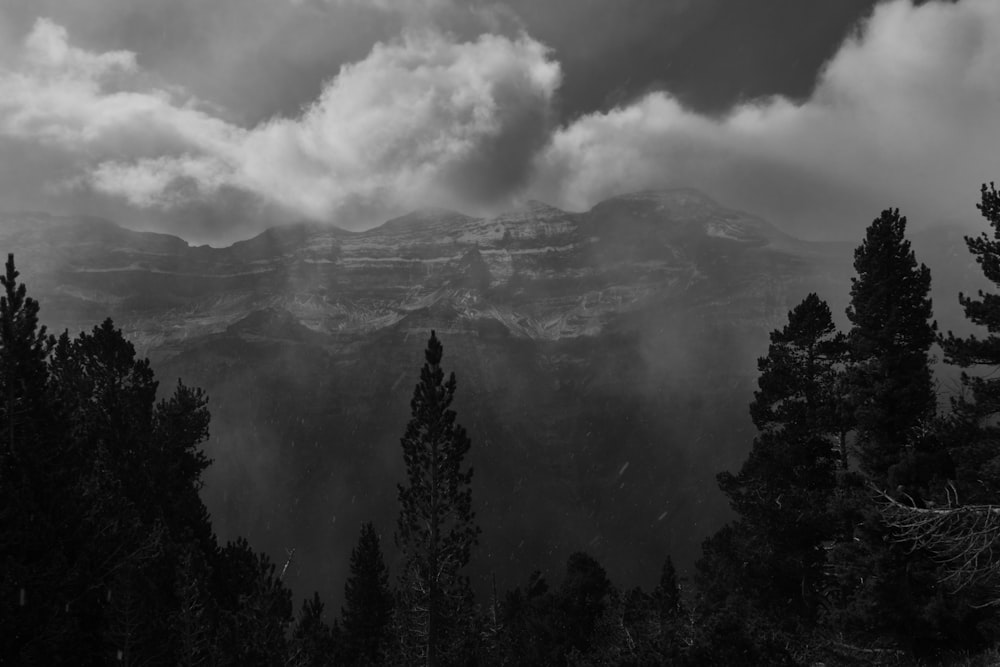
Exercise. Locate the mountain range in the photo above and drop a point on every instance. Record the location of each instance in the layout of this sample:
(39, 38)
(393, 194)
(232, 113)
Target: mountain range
(605, 360)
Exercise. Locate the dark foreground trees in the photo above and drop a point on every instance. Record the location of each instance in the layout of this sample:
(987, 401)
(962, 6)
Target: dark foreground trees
(977, 456)
(107, 555)
(852, 486)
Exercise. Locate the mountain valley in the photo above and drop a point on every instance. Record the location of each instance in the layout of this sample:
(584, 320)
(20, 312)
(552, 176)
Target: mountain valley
(605, 360)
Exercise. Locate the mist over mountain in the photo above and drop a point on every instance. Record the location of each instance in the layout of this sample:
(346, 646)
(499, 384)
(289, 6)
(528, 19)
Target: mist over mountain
(605, 361)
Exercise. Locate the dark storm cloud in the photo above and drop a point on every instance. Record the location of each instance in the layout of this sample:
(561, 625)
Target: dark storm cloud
(710, 54)
(906, 113)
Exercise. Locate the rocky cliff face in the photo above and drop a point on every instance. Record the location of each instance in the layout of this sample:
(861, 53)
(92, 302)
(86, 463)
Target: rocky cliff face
(542, 273)
(605, 360)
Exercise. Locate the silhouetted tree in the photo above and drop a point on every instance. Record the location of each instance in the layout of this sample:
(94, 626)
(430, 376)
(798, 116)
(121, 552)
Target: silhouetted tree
(368, 610)
(667, 593)
(24, 350)
(783, 488)
(580, 601)
(33, 504)
(436, 529)
(312, 641)
(255, 607)
(976, 441)
(526, 635)
(890, 338)
(106, 551)
(884, 592)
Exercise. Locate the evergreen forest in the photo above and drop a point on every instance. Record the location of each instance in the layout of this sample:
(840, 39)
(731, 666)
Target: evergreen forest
(865, 519)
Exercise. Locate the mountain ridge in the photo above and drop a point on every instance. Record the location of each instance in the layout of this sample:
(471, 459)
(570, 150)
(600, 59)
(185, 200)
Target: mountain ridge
(540, 271)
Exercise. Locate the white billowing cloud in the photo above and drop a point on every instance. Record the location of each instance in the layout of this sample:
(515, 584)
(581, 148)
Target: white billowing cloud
(906, 114)
(421, 120)
(48, 47)
(406, 120)
(66, 97)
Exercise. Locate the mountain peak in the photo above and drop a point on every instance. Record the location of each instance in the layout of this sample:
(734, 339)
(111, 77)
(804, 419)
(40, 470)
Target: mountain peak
(689, 212)
(422, 218)
(272, 323)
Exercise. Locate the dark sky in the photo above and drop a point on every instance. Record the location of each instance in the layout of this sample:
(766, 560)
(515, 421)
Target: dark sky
(710, 54)
(216, 119)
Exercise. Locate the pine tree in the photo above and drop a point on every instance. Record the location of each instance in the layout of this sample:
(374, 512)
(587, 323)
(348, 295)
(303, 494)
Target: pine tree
(33, 505)
(783, 488)
(667, 593)
(368, 600)
(977, 447)
(106, 551)
(312, 641)
(436, 529)
(175, 462)
(886, 591)
(24, 350)
(255, 606)
(890, 339)
(580, 602)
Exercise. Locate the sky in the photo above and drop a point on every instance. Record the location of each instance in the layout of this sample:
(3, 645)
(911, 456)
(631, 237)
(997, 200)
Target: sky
(215, 120)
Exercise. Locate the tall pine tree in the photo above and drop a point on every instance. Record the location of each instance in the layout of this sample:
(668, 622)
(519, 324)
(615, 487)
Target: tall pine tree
(368, 609)
(890, 340)
(783, 488)
(32, 501)
(24, 350)
(312, 641)
(977, 450)
(436, 529)
(886, 591)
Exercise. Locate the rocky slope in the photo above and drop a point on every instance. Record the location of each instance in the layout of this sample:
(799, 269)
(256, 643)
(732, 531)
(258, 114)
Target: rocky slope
(605, 361)
(542, 273)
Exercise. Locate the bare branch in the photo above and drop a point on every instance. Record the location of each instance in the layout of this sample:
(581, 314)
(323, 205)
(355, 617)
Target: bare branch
(962, 538)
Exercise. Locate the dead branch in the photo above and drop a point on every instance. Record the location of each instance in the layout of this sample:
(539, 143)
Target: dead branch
(964, 539)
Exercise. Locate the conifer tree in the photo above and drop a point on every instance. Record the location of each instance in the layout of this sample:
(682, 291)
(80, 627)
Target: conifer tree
(436, 529)
(783, 488)
(24, 350)
(578, 606)
(106, 550)
(667, 593)
(977, 450)
(885, 590)
(31, 498)
(255, 606)
(368, 600)
(890, 339)
(312, 641)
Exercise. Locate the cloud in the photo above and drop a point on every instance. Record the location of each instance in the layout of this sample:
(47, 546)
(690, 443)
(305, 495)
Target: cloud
(403, 6)
(424, 119)
(907, 113)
